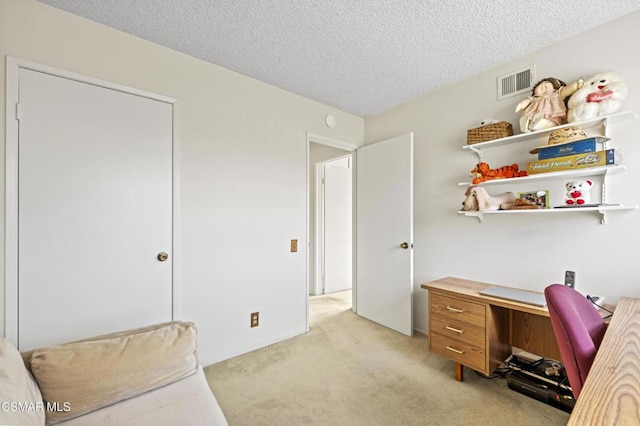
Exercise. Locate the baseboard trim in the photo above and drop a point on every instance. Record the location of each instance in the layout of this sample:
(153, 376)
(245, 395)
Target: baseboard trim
(419, 331)
(224, 357)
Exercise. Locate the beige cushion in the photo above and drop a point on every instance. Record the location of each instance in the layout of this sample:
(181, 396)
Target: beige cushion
(87, 375)
(20, 399)
(188, 402)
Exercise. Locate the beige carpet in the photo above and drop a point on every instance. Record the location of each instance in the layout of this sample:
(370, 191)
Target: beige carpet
(350, 371)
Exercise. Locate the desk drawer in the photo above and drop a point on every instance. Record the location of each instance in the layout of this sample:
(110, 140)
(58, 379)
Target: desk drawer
(461, 352)
(454, 328)
(461, 310)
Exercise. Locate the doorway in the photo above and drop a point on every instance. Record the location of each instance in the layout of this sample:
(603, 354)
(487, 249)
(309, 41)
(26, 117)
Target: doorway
(334, 225)
(321, 149)
(382, 249)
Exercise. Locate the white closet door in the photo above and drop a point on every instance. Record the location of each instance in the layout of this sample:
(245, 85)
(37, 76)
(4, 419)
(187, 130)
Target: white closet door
(95, 206)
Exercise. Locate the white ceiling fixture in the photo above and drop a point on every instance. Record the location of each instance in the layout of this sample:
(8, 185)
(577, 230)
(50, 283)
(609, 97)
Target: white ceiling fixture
(362, 57)
(330, 120)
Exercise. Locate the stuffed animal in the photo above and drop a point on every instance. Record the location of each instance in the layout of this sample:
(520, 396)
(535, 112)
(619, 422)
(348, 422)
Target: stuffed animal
(488, 121)
(482, 172)
(546, 107)
(602, 94)
(470, 203)
(578, 192)
(477, 199)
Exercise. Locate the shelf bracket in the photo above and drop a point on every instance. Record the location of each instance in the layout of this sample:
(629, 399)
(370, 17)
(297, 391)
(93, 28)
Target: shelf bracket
(476, 214)
(479, 216)
(477, 151)
(604, 187)
(604, 127)
(603, 219)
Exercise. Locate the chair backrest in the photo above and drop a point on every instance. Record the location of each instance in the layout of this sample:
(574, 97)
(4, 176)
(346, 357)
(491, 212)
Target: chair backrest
(579, 330)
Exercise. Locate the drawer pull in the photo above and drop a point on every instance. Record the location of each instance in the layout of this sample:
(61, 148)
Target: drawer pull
(458, 351)
(449, 308)
(448, 327)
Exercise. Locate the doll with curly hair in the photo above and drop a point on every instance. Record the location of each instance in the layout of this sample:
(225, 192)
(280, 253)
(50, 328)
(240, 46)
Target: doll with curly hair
(546, 106)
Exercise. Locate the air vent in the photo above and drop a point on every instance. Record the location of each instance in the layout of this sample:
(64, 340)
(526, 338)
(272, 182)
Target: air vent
(516, 82)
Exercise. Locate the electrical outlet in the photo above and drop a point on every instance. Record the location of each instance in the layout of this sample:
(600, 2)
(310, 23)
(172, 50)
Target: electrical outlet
(598, 301)
(570, 279)
(294, 246)
(255, 319)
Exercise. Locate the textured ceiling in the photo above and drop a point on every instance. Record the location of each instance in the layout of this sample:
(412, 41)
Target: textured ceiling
(361, 56)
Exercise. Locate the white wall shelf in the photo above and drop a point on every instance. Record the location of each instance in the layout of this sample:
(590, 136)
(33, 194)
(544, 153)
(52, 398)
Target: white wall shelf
(587, 171)
(602, 210)
(525, 137)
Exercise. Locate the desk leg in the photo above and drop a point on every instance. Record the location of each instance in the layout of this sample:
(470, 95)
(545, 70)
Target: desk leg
(459, 372)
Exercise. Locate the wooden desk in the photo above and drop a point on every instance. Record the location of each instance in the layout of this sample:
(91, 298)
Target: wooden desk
(611, 393)
(478, 331)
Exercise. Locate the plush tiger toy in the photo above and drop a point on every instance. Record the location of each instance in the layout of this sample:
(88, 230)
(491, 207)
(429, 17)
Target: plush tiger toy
(482, 172)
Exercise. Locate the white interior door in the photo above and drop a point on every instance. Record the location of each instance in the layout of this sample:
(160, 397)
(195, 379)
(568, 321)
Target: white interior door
(384, 248)
(337, 227)
(95, 210)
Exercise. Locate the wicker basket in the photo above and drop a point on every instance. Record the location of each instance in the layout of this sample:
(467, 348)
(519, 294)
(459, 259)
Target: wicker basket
(489, 132)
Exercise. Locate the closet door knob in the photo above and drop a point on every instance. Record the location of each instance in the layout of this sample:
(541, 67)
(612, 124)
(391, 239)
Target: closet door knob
(162, 256)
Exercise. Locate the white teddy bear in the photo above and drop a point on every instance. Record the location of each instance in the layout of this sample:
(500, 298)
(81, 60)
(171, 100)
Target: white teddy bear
(601, 94)
(578, 192)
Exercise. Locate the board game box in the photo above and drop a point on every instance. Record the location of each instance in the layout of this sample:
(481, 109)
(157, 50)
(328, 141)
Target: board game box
(572, 162)
(571, 148)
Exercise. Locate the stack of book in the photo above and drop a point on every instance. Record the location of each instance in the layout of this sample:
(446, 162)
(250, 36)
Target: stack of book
(574, 155)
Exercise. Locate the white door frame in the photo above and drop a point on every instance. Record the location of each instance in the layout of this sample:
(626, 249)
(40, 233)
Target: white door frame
(12, 112)
(320, 219)
(322, 140)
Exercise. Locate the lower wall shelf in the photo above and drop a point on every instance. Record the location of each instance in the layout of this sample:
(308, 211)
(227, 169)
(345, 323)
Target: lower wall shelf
(602, 210)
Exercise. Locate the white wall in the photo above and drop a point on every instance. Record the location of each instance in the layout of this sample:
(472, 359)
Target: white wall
(242, 171)
(529, 251)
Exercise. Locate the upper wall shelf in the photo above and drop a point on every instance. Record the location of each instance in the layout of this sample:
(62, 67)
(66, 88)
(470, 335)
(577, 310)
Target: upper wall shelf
(523, 137)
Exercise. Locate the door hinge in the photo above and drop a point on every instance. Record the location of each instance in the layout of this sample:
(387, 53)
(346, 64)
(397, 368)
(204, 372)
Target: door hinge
(18, 111)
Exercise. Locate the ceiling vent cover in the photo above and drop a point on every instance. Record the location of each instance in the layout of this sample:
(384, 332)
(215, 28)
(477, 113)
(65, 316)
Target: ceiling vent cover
(516, 82)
